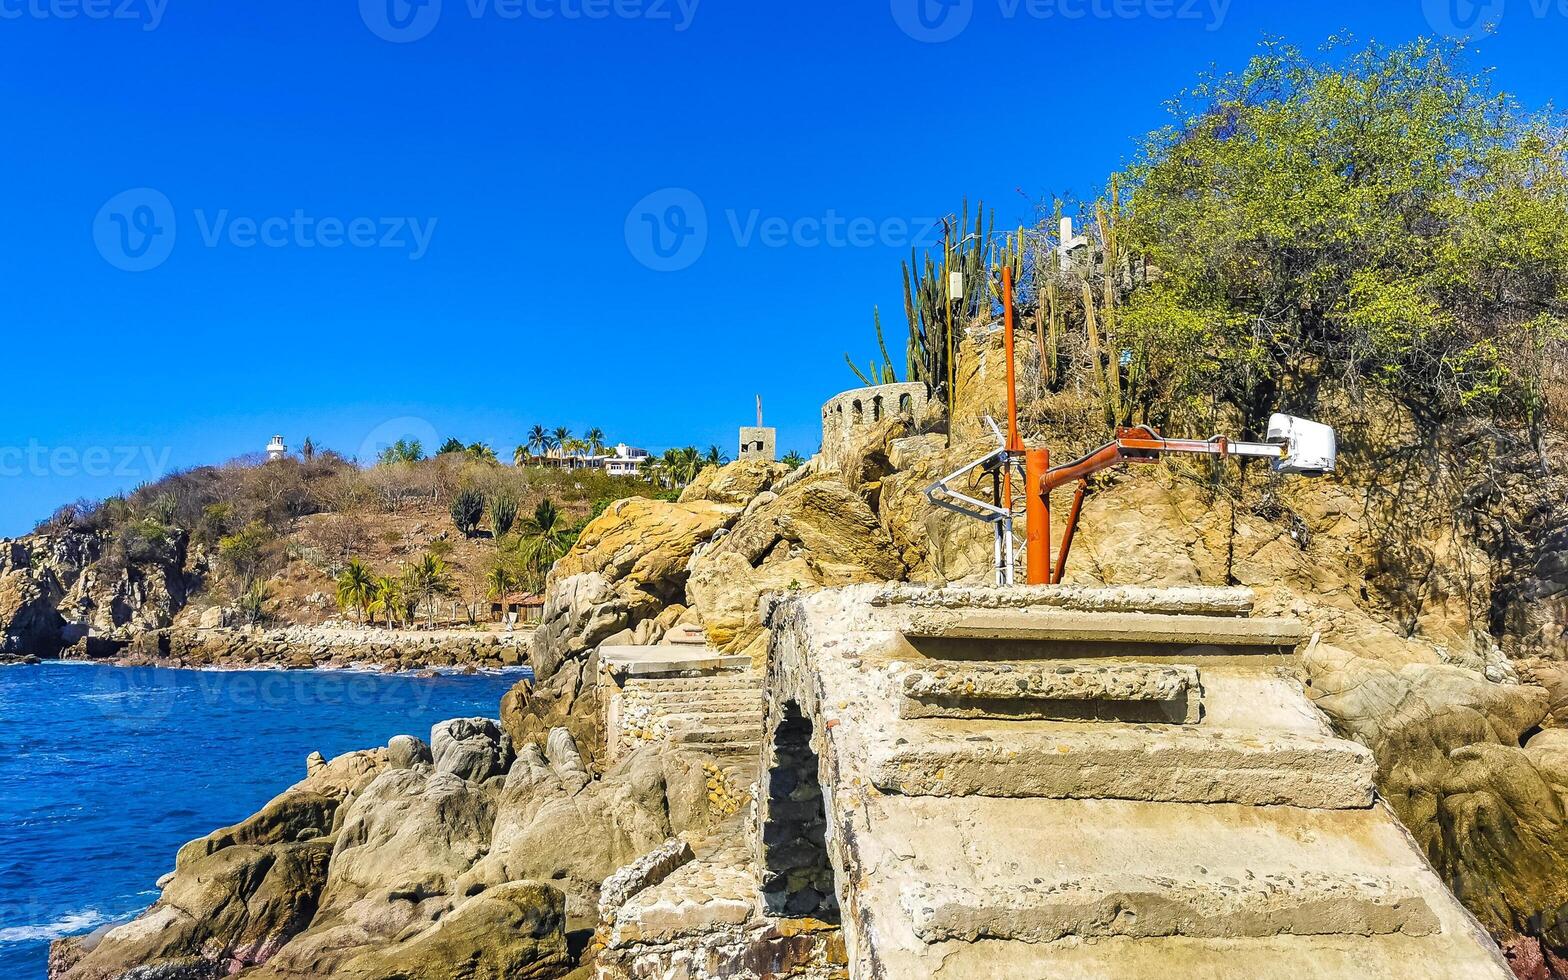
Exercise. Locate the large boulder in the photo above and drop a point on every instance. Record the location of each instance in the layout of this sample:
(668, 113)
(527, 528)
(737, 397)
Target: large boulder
(817, 534)
(514, 931)
(628, 564)
(471, 748)
(734, 484)
(236, 896)
(1461, 762)
(553, 824)
(29, 621)
(229, 910)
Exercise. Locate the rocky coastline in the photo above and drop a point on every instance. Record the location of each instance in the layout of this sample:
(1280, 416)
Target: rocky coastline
(306, 648)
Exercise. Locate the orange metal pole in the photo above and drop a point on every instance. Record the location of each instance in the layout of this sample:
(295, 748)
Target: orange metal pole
(1037, 516)
(1014, 443)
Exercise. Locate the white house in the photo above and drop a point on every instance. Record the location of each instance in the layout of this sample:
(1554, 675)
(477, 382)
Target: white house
(627, 461)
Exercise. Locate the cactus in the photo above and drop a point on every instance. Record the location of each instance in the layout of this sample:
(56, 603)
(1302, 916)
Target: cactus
(877, 374)
(936, 321)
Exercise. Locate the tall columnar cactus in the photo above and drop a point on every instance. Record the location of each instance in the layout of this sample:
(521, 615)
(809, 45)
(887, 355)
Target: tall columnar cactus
(877, 373)
(936, 318)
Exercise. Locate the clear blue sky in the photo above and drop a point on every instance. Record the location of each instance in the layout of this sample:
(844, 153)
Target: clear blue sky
(530, 132)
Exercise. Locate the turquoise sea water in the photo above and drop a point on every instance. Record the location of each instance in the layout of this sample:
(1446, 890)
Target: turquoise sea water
(106, 771)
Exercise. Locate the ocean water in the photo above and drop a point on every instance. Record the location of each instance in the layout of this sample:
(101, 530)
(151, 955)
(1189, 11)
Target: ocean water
(106, 771)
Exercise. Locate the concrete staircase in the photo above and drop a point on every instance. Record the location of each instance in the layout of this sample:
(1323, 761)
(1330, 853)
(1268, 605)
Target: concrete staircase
(685, 695)
(1048, 783)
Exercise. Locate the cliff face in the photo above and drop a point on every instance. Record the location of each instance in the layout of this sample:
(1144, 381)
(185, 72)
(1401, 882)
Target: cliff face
(1436, 586)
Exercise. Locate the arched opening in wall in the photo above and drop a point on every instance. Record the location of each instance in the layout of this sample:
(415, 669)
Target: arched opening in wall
(906, 404)
(876, 409)
(797, 878)
(857, 412)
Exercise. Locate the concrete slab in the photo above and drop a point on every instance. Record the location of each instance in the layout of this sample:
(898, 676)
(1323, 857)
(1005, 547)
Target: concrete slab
(1194, 600)
(1124, 628)
(1227, 903)
(1063, 691)
(634, 661)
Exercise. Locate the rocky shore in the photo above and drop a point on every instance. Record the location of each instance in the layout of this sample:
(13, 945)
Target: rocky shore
(304, 648)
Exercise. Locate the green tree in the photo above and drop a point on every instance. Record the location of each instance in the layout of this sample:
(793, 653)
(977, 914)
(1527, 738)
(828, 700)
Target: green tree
(539, 440)
(595, 439)
(715, 457)
(452, 446)
(561, 439)
(468, 509)
(245, 552)
(503, 513)
(793, 460)
(402, 451)
(428, 578)
(520, 456)
(356, 588)
(252, 603)
(1377, 218)
(544, 537)
(481, 452)
(389, 599)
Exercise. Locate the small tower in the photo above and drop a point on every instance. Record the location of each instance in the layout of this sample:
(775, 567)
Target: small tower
(276, 450)
(758, 441)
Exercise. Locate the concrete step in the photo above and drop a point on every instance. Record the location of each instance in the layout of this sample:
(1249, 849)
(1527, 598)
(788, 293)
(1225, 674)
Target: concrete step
(724, 751)
(1050, 690)
(682, 699)
(694, 734)
(1224, 903)
(1181, 764)
(741, 681)
(1043, 634)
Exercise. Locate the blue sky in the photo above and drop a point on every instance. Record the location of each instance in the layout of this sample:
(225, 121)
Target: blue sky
(353, 221)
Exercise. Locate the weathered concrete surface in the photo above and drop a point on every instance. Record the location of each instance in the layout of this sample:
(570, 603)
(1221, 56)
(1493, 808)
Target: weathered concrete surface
(1121, 598)
(1246, 845)
(1052, 692)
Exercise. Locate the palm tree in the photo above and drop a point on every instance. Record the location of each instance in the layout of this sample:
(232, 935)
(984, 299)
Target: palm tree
(389, 598)
(356, 587)
(691, 462)
(482, 452)
(428, 577)
(595, 437)
(499, 583)
(544, 537)
(562, 435)
(539, 440)
(520, 456)
(793, 460)
(715, 457)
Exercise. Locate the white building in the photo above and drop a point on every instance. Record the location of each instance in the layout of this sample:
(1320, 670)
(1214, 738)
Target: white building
(276, 449)
(627, 461)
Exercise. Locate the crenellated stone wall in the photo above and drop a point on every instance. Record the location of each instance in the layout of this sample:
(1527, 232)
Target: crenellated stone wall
(845, 413)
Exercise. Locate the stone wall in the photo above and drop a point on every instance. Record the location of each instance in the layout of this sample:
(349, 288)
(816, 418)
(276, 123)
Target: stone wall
(852, 410)
(797, 878)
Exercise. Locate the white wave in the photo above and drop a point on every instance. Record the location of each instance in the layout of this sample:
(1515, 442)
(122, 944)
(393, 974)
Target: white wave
(67, 925)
